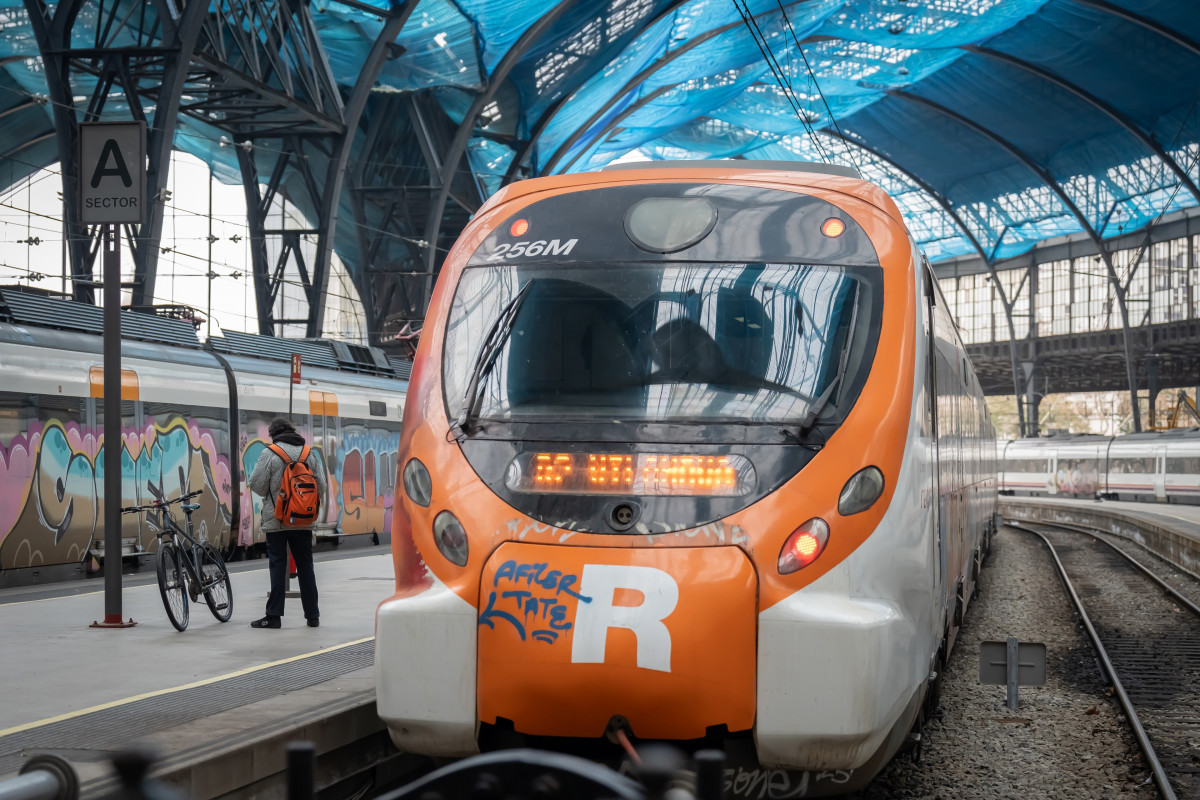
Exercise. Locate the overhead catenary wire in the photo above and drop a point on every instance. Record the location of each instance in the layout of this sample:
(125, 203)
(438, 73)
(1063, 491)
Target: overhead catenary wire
(816, 84)
(780, 75)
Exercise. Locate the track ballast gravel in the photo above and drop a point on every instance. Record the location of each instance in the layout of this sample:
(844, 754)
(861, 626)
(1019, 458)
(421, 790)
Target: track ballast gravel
(1067, 739)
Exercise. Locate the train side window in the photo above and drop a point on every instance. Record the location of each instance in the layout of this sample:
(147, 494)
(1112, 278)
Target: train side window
(378, 408)
(17, 413)
(1184, 466)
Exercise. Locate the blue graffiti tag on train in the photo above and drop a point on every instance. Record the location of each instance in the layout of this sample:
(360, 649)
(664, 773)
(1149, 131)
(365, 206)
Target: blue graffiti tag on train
(535, 606)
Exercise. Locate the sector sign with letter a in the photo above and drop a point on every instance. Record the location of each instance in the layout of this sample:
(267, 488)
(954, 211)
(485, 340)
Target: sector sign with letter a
(112, 172)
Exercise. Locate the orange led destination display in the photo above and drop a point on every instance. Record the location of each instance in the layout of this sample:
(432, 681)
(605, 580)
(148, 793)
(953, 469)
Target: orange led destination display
(631, 473)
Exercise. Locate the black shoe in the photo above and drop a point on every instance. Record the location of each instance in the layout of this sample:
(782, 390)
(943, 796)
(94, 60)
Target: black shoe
(267, 622)
(314, 622)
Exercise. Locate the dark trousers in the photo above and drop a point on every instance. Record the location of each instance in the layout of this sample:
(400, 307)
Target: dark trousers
(300, 543)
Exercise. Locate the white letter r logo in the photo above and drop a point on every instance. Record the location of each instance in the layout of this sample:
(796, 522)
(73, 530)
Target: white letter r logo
(592, 621)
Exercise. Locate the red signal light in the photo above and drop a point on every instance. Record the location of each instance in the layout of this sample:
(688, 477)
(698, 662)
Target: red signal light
(519, 228)
(804, 546)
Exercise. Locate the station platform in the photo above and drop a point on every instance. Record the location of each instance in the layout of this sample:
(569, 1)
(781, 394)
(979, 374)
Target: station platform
(1171, 530)
(217, 703)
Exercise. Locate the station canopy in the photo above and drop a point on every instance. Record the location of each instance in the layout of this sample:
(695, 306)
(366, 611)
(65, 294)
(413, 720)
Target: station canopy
(995, 124)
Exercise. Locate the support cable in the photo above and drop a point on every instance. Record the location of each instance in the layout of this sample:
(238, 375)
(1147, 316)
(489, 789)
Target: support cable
(777, 71)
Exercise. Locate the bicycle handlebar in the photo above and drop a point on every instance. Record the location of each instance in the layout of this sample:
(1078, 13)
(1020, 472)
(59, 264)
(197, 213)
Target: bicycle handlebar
(162, 504)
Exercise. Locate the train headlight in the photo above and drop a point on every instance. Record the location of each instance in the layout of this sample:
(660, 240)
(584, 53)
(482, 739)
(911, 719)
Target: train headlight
(803, 546)
(417, 483)
(451, 538)
(861, 491)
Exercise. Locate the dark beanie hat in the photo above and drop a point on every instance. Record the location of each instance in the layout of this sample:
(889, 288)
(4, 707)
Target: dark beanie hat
(280, 426)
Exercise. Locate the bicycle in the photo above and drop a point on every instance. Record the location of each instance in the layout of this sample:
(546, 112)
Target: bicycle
(196, 567)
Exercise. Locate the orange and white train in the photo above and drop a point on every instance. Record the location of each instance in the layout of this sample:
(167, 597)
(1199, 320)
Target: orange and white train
(692, 452)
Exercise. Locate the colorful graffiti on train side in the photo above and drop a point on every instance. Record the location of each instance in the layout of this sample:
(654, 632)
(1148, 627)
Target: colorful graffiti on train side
(362, 480)
(52, 486)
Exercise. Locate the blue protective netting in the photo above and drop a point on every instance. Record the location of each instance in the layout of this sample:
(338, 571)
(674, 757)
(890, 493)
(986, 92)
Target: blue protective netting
(1058, 143)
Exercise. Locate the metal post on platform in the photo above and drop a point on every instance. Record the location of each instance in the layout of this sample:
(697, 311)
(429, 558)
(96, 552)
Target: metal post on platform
(112, 189)
(111, 245)
(112, 427)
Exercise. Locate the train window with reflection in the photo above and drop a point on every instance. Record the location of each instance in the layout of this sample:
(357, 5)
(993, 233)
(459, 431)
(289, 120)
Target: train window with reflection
(667, 342)
(1132, 465)
(1183, 466)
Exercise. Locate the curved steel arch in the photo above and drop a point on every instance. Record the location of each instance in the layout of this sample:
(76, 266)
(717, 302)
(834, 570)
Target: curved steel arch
(633, 82)
(335, 174)
(611, 127)
(462, 136)
(1053, 186)
(1110, 111)
(554, 108)
(1144, 22)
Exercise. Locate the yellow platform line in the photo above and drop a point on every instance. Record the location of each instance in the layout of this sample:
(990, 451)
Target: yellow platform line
(158, 693)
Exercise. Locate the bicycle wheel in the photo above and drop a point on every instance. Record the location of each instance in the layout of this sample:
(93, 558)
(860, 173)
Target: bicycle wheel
(172, 584)
(218, 592)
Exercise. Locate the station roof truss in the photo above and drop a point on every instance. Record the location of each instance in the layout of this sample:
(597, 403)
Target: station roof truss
(995, 124)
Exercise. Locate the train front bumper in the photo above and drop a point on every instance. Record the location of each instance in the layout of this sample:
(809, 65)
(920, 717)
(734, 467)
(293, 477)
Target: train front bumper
(837, 679)
(425, 671)
(832, 681)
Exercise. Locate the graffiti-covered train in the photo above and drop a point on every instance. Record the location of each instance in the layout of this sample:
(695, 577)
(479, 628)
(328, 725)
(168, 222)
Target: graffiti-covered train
(1161, 467)
(692, 452)
(202, 410)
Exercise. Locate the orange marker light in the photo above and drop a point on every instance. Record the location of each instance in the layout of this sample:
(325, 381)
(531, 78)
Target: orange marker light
(631, 473)
(833, 227)
(519, 228)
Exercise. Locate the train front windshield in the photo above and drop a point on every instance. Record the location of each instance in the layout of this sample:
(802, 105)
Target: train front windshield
(665, 342)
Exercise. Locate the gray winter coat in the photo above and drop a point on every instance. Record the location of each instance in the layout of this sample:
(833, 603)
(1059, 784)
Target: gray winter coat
(268, 473)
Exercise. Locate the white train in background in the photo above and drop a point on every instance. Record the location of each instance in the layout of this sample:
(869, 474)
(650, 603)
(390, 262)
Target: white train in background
(1159, 467)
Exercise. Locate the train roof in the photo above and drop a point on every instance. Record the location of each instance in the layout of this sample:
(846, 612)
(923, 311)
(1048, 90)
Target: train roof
(327, 353)
(782, 174)
(815, 167)
(24, 306)
(33, 309)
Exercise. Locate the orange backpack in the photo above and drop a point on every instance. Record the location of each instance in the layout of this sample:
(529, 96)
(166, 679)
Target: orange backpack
(298, 501)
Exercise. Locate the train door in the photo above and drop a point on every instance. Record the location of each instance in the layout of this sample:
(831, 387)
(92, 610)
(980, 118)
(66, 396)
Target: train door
(326, 434)
(937, 510)
(1052, 473)
(1160, 473)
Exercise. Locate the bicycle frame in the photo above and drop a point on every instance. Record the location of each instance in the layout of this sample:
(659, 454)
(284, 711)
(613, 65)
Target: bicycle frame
(173, 531)
(192, 574)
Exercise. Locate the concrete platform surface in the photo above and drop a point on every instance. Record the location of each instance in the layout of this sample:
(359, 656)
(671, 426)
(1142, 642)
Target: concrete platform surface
(1170, 530)
(53, 664)
(217, 703)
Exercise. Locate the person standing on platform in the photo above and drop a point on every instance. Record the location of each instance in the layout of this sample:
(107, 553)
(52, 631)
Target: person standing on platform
(291, 476)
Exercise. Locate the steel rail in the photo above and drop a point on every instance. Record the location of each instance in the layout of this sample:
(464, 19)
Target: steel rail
(1093, 532)
(1156, 767)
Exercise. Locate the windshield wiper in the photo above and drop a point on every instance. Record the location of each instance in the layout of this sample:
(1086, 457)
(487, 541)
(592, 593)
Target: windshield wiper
(501, 329)
(810, 419)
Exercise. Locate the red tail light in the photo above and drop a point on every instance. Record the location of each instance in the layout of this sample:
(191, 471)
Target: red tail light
(804, 546)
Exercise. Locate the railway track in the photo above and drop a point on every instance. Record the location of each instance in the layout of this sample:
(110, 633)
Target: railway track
(1147, 637)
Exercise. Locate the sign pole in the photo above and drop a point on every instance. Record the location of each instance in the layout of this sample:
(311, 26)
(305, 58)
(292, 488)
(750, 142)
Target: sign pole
(112, 432)
(112, 189)
(295, 380)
